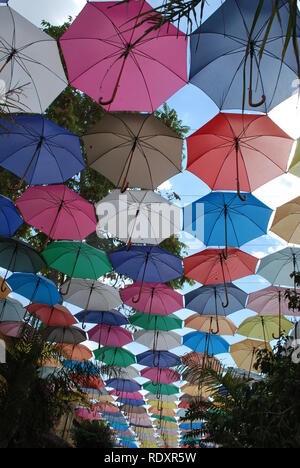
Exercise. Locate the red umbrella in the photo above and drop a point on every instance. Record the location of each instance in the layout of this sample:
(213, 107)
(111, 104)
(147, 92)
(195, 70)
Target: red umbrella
(153, 298)
(238, 152)
(107, 335)
(163, 376)
(55, 316)
(88, 381)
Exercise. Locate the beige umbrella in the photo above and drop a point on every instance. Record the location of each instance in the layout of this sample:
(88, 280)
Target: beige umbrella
(134, 150)
(243, 353)
(196, 391)
(208, 324)
(286, 223)
(198, 360)
(295, 165)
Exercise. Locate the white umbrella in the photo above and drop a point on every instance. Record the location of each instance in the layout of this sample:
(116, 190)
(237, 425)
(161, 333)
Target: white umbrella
(158, 340)
(31, 71)
(279, 267)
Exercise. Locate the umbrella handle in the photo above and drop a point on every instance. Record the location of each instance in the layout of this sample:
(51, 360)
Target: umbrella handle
(263, 98)
(38, 148)
(67, 290)
(101, 101)
(136, 300)
(225, 251)
(226, 304)
(279, 318)
(237, 150)
(218, 327)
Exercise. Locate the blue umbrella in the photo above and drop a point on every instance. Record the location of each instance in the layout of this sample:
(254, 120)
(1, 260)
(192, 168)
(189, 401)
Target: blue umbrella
(206, 343)
(127, 401)
(39, 151)
(128, 444)
(123, 385)
(227, 220)
(10, 220)
(111, 317)
(149, 264)
(161, 359)
(191, 426)
(35, 288)
(85, 367)
(118, 426)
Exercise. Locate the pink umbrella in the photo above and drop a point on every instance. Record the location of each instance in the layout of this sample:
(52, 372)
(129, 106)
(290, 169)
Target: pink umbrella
(163, 376)
(121, 66)
(86, 414)
(107, 335)
(52, 316)
(126, 395)
(153, 298)
(58, 212)
(14, 329)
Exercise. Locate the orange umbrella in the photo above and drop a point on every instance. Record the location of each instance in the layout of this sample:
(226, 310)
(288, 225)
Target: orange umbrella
(199, 360)
(79, 353)
(5, 289)
(208, 324)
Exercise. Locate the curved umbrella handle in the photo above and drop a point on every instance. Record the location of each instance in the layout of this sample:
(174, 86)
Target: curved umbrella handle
(136, 300)
(263, 98)
(101, 101)
(279, 318)
(67, 290)
(218, 327)
(226, 304)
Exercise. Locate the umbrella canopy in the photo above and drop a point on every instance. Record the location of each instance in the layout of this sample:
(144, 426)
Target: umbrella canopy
(128, 409)
(128, 395)
(110, 317)
(11, 310)
(134, 150)
(278, 267)
(123, 385)
(157, 340)
(206, 343)
(228, 151)
(295, 165)
(128, 373)
(10, 220)
(207, 324)
(270, 301)
(91, 295)
(53, 316)
(77, 259)
(107, 335)
(65, 335)
(115, 56)
(155, 322)
(78, 353)
(197, 391)
(114, 356)
(88, 415)
(13, 329)
(161, 389)
(158, 359)
(225, 45)
(147, 264)
(164, 404)
(4, 290)
(244, 352)
(152, 298)
(286, 223)
(164, 376)
(210, 266)
(30, 65)
(39, 151)
(35, 288)
(126, 401)
(18, 256)
(264, 327)
(58, 212)
(227, 220)
(200, 360)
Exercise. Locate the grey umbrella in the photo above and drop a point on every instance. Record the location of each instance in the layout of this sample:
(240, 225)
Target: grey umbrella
(279, 268)
(66, 335)
(11, 310)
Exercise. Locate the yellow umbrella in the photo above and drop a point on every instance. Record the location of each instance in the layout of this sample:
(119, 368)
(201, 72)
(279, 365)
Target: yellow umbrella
(208, 324)
(167, 424)
(243, 353)
(196, 391)
(286, 223)
(295, 165)
(6, 289)
(164, 404)
(163, 412)
(264, 327)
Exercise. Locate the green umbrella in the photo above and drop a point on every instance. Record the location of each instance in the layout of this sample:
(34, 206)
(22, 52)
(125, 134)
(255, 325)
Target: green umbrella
(163, 418)
(77, 259)
(295, 165)
(161, 389)
(155, 322)
(264, 327)
(118, 357)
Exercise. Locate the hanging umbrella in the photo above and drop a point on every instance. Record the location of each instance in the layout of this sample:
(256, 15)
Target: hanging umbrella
(225, 45)
(10, 220)
(147, 264)
(198, 360)
(134, 150)
(160, 399)
(163, 412)
(193, 390)
(39, 151)
(4, 290)
(138, 217)
(153, 298)
(58, 212)
(79, 352)
(30, 65)
(123, 385)
(129, 373)
(164, 404)
(164, 376)
(116, 57)
(90, 295)
(159, 340)
(264, 327)
(53, 316)
(117, 357)
(109, 317)
(244, 353)
(161, 389)
(107, 335)
(77, 259)
(128, 395)
(279, 267)
(239, 152)
(65, 335)
(35, 288)
(128, 409)
(286, 223)
(206, 343)
(209, 323)
(87, 414)
(11, 310)
(227, 220)
(295, 165)
(13, 329)
(159, 359)
(155, 322)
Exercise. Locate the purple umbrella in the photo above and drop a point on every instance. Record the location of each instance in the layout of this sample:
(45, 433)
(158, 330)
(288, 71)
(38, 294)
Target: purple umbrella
(123, 385)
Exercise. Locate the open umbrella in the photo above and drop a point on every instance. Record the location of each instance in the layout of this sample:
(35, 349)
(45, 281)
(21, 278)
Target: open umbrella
(30, 65)
(39, 151)
(239, 152)
(10, 220)
(197, 360)
(157, 340)
(123, 385)
(4, 290)
(158, 359)
(130, 373)
(161, 389)
(90, 295)
(87, 414)
(164, 376)
(165, 404)
(286, 223)
(209, 323)
(226, 45)
(116, 57)
(227, 220)
(14, 329)
(107, 335)
(138, 217)
(244, 353)
(35, 288)
(128, 409)
(65, 335)
(109, 317)
(206, 343)
(154, 298)
(128, 395)
(155, 322)
(134, 150)
(53, 316)
(280, 267)
(264, 327)
(295, 164)
(58, 212)
(79, 352)
(114, 356)
(11, 310)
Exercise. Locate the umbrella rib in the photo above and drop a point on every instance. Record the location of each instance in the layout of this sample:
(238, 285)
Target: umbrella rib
(150, 146)
(264, 154)
(146, 56)
(143, 77)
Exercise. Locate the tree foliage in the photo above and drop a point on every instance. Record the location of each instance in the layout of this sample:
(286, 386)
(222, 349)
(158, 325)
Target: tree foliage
(93, 435)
